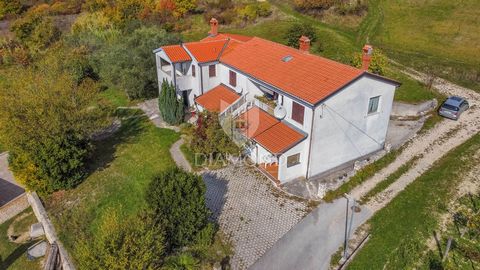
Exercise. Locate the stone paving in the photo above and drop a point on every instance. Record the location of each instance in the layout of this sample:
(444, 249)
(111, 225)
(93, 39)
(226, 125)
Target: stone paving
(251, 211)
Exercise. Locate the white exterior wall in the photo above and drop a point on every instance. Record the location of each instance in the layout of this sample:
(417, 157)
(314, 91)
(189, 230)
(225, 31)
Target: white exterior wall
(334, 140)
(285, 174)
(161, 74)
(307, 118)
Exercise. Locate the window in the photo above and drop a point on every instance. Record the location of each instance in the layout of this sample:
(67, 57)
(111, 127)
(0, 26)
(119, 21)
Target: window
(212, 71)
(233, 78)
(293, 160)
(193, 70)
(298, 111)
(373, 105)
(184, 68)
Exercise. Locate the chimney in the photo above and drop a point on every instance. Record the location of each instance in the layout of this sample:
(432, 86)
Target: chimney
(304, 43)
(366, 56)
(213, 27)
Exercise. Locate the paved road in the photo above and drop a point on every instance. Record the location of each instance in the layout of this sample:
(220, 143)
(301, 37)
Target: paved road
(311, 242)
(9, 190)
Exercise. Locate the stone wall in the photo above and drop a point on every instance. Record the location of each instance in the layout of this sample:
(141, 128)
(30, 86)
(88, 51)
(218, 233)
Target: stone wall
(13, 208)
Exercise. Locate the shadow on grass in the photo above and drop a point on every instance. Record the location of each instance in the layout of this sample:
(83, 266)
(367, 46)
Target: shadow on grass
(104, 154)
(19, 251)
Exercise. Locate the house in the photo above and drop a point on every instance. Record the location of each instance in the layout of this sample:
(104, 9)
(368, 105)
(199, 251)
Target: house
(302, 114)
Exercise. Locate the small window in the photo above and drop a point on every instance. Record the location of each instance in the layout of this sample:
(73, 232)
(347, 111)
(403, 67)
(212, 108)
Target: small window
(293, 160)
(298, 112)
(373, 105)
(233, 78)
(212, 71)
(193, 70)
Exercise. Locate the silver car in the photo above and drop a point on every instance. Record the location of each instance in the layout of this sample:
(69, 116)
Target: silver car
(453, 107)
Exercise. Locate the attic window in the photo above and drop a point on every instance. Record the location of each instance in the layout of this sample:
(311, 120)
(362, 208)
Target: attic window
(287, 58)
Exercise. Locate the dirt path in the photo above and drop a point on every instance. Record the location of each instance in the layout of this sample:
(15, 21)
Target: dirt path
(431, 145)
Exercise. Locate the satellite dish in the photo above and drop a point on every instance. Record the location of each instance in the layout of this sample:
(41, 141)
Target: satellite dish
(280, 112)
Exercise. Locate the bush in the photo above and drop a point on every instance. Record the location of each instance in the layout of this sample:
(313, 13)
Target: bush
(378, 62)
(314, 4)
(296, 31)
(135, 243)
(209, 138)
(8, 7)
(251, 12)
(177, 201)
(12, 52)
(171, 108)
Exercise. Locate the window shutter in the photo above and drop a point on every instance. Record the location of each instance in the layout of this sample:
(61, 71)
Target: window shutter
(193, 70)
(212, 72)
(233, 78)
(298, 112)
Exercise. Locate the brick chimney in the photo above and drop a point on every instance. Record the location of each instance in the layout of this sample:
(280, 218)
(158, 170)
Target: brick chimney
(213, 27)
(304, 43)
(366, 56)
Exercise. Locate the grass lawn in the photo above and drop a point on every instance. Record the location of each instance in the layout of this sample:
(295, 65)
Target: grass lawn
(196, 163)
(400, 230)
(122, 167)
(13, 256)
(117, 97)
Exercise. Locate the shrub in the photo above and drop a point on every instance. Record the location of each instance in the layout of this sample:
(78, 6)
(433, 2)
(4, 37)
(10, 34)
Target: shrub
(134, 243)
(171, 108)
(12, 52)
(378, 62)
(10, 7)
(182, 261)
(209, 138)
(314, 4)
(251, 12)
(296, 31)
(177, 201)
(184, 6)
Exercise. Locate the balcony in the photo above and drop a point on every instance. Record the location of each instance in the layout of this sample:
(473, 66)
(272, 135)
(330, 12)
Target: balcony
(184, 82)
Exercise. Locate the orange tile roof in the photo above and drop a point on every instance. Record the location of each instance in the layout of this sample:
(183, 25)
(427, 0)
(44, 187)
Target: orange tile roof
(269, 132)
(176, 53)
(206, 51)
(237, 37)
(279, 138)
(306, 76)
(217, 99)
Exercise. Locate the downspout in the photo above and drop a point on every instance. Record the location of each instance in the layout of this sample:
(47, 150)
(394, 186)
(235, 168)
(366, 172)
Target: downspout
(174, 76)
(201, 78)
(310, 146)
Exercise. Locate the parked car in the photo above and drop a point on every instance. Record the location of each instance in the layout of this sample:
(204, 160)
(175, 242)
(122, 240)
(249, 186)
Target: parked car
(453, 107)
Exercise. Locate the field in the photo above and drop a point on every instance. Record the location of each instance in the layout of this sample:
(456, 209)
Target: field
(123, 166)
(400, 231)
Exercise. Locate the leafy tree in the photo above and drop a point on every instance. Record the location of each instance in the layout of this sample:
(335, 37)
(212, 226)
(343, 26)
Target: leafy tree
(296, 31)
(134, 243)
(378, 62)
(171, 108)
(184, 6)
(35, 30)
(210, 139)
(46, 120)
(177, 201)
(127, 62)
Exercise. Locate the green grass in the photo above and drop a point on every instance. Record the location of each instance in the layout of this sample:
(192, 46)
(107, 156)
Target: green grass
(196, 163)
(440, 36)
(12, 255)
(362, 175)
(400, 230)
(389, 180)
(116, 97)
(122, 167)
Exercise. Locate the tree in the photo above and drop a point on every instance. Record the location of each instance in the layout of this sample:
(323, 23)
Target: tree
(296, 31)
(46, 119)
(210, 139)
(127, 62)
(10, 7)
(134, 243)
(177, 201)
(378, 62)
(171, 108)
(36, 30)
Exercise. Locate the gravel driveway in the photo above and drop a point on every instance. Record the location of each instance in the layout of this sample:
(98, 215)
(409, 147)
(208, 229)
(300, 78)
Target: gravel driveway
(251, 212)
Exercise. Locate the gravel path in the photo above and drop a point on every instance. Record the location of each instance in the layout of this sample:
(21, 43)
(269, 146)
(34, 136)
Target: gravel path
(178, 156)
(431, 145)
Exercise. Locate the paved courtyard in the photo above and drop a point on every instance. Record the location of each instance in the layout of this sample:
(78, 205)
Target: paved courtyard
(251, 211)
